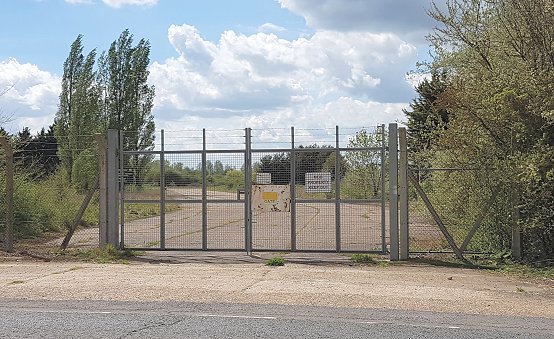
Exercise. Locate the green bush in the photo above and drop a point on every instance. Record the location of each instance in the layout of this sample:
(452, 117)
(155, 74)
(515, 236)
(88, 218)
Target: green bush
(362, 258)
(276, 261)
(48, 205)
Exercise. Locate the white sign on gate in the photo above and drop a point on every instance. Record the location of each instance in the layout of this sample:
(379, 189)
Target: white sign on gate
(318, 182)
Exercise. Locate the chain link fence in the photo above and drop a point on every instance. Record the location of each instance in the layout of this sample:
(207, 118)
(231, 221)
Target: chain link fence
(54, 184)
(469, 200)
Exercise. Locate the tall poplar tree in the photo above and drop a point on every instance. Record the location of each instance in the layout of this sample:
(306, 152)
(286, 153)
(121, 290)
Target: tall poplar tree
(127, 97)
(78, 115)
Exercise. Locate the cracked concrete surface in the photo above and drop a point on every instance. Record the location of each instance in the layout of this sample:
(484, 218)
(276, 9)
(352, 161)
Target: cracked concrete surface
(248, 280)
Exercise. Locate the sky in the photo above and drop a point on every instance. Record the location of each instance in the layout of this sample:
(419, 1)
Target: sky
(221, 64)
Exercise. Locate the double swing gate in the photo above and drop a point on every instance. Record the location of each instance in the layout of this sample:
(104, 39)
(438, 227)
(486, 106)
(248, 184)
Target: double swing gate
(226, 191)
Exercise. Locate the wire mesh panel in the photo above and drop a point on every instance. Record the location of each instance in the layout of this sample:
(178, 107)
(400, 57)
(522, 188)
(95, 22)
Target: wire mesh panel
(52, 178)
(183, 200)
(225, 200)
(463, 195)
(224, 175)
(225, 226)
(141, 231)
(315, 226)
(183, 226)
(296, 190)
(360, 226)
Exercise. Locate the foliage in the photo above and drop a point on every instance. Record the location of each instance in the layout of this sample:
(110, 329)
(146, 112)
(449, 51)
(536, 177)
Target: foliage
(427, 118)
(363, 168)
(276, 261)
(312, 158)
(104, 255)
(127, 99)
(36, 155)
(37, 205)
(493, 60)
(362, 258)
(78, 112)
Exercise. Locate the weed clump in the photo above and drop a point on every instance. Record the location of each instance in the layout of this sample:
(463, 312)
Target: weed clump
(276, 261)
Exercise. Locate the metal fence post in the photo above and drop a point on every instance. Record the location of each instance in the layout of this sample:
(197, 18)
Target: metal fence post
(112, 184)
(248, 191)
(162, 192)
(393, 191)
(9, 194)
(383, 195)
(103, 190)
(292, 192)
(403, 187)
(337, 191)
(204, 194)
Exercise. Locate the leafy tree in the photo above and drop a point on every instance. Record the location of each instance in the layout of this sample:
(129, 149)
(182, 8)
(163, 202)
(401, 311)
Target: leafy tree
(427, 118)
(363, 178)
(497, 58)
(127, 98)
(278, 165)
(78, 115)
(36, 154)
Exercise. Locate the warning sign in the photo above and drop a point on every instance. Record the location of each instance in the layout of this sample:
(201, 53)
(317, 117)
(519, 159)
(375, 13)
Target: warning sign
(271, 198)
(318, 182)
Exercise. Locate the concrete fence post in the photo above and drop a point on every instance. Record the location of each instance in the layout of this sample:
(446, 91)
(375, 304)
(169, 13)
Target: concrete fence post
(8, 150)
(393, 191)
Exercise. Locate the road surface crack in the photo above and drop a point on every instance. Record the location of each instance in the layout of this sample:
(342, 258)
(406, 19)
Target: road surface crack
(151, 326)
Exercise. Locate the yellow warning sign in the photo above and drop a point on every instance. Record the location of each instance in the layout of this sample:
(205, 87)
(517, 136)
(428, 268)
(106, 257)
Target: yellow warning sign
(270, 196)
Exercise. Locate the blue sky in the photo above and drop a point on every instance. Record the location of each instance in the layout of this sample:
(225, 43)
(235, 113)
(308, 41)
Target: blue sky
(227, 64)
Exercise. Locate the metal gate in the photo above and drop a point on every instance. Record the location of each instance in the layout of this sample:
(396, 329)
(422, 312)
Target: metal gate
(250, 190)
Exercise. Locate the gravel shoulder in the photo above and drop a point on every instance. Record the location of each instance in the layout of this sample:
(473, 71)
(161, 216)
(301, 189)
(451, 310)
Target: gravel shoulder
(237, 278)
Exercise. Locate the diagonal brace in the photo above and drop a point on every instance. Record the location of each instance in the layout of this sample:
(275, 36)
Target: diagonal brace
(480, 217)
(437, 219)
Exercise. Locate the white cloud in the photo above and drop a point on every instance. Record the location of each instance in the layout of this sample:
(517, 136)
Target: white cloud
(29, 93)
(117, 3)
(261, 80)
(268, 27)
(75, 2)
(121, 3)
(247, 73)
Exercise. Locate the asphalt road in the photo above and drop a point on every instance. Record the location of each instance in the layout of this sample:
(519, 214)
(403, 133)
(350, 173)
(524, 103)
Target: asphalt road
(96, 319)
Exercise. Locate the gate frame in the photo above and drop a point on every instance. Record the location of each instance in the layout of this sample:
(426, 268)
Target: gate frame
(115, 197)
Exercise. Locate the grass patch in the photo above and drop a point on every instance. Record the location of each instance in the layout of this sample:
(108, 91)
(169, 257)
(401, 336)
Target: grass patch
(362, 258)
(384, 264)
(525, 271)
(153, 244)
(495, 264)
(135, 211)
(276, 261)
(105, 255)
